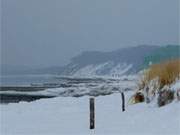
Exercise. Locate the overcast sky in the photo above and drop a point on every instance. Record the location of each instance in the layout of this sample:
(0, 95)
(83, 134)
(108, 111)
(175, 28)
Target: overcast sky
(43, 33)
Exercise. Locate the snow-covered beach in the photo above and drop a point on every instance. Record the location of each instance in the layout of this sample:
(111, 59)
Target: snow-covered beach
(70, 116)
(77, 67)
(67, 113)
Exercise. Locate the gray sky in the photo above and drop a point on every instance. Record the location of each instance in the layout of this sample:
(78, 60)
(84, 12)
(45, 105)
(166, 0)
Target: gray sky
(42, 33)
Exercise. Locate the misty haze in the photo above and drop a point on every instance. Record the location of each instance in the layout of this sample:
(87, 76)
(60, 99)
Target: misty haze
(102, 67)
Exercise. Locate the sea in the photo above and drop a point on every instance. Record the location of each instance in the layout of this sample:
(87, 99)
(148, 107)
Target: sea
(26, 80)
(16, 88)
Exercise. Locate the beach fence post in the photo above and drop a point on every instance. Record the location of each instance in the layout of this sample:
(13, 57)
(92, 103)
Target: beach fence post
(92, 112)
(123, 101)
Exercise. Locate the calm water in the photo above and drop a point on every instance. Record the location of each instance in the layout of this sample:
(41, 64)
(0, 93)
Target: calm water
(25, 80)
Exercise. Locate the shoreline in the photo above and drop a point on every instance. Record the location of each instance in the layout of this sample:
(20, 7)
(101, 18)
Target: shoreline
(6, 98)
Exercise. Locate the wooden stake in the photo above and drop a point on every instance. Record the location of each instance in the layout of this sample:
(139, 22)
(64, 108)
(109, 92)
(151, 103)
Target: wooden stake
(123, 101)
(92, 113)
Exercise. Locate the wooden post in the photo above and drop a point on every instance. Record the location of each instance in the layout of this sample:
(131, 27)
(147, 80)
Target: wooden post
(123, 101)
(92, 113)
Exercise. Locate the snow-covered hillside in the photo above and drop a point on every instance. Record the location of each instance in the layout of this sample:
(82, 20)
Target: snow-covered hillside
(107, 68)
(70, 116)
(115, 63)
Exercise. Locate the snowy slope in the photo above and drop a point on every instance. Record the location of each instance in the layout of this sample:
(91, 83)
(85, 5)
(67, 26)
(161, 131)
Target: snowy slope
(107, 68)
(120, 62)
(70, 116)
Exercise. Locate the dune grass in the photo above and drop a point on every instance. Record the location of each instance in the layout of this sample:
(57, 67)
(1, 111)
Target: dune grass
(166, 72)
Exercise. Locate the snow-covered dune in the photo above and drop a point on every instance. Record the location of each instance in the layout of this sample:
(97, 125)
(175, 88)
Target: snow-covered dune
(70, 116)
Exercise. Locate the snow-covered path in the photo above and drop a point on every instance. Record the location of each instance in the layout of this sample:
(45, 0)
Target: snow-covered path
(70, 116)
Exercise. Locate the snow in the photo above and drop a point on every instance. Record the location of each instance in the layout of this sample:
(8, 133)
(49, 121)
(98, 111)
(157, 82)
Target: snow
(70, 116)
(175, 86)
(90, 70)
(121, 69)
(97, 69)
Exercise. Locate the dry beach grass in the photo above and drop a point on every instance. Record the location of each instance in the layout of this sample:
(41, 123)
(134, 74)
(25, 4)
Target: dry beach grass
(156, 80)
(166, 72)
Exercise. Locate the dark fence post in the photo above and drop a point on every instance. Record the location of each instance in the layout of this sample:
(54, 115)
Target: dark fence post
(92, 113)
(123, 101)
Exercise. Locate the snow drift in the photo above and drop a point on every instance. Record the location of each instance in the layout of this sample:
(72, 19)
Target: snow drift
(70, 116)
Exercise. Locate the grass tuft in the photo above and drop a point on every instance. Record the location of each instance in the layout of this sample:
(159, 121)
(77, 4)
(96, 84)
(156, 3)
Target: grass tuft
(167, 72)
